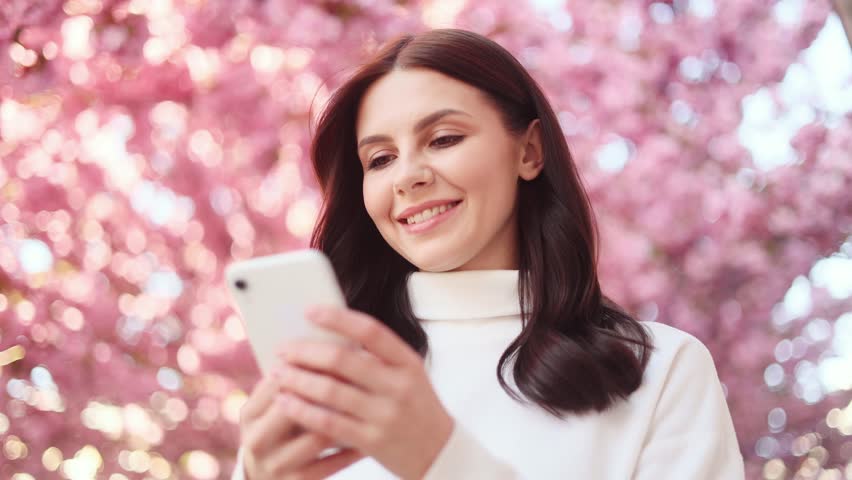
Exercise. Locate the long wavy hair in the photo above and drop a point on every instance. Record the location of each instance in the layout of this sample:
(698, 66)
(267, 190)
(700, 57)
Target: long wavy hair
(577, 351)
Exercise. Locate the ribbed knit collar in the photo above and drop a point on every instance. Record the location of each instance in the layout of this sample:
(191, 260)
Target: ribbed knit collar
(464, 295)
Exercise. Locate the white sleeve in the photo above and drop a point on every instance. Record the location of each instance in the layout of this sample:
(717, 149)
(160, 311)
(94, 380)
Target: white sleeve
(463, 457)
(691, 434)
(238, 473)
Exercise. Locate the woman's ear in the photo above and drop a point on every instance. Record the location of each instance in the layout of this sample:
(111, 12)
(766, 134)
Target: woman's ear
(532, 160)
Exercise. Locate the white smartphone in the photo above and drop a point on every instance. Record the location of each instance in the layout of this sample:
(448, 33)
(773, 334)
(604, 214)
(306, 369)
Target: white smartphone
(271, 294)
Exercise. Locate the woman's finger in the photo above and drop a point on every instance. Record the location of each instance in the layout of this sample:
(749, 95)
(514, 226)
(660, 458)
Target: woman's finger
(327, 466)
(260, 399)
(353, 365)
(329, 391)
(297, 453)
(342, 427)
(270, 428)
(373, 335)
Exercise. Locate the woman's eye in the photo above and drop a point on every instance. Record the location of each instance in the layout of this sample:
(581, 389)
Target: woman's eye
(440, 142)
(378, 162)
(447, 140)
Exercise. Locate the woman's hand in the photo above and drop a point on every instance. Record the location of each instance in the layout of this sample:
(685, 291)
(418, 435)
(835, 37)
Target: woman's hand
(275, 447)
(377, 399)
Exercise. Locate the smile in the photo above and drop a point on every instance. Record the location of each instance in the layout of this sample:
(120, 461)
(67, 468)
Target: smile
(430, 218)
(429, 213)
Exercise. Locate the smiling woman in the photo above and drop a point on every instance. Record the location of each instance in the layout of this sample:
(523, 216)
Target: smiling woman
(466, 248)
(447, 148)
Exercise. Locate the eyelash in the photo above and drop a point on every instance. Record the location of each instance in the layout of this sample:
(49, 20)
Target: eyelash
(455, 139)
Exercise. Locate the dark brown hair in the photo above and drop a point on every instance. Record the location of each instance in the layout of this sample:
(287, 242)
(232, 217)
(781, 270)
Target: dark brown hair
(578, 351)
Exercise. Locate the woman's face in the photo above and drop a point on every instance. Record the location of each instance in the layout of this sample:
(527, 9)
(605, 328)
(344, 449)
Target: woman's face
(436, 145)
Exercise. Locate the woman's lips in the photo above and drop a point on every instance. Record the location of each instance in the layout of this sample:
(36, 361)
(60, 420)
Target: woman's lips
(432, 222)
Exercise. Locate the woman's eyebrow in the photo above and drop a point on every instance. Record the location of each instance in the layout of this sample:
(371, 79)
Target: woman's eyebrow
(420, 125)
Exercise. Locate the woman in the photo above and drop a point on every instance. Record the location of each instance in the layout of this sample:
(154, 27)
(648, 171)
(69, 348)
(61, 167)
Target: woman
(451, 201)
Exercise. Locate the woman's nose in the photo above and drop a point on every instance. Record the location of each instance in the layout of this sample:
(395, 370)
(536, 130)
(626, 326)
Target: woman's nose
(411, 175)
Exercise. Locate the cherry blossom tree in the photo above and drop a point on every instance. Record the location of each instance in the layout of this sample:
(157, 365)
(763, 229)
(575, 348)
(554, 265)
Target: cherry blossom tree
(146, 144)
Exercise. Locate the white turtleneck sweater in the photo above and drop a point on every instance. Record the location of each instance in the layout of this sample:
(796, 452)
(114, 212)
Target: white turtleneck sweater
(675, 426)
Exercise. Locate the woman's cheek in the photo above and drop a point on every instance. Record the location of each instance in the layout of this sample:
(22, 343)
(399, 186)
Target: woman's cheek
(369, 199)
(376, 201)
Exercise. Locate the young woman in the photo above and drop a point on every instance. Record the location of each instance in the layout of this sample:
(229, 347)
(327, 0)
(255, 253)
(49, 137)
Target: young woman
(466, 248)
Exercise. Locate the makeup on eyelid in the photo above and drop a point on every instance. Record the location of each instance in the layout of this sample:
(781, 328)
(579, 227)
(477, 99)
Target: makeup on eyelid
(455, 139)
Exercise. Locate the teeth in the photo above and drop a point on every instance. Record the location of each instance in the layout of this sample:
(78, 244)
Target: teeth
(427, 214)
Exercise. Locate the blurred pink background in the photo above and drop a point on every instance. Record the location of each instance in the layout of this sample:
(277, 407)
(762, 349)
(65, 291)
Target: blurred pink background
(146, 144)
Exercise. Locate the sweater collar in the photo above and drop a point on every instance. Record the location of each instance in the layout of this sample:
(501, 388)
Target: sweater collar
(464, 295)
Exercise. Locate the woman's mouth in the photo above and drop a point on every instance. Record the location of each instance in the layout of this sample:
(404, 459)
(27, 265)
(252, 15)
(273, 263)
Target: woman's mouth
(430, 218)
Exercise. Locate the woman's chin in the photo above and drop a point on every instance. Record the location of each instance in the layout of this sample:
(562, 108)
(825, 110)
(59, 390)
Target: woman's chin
(436, 263)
